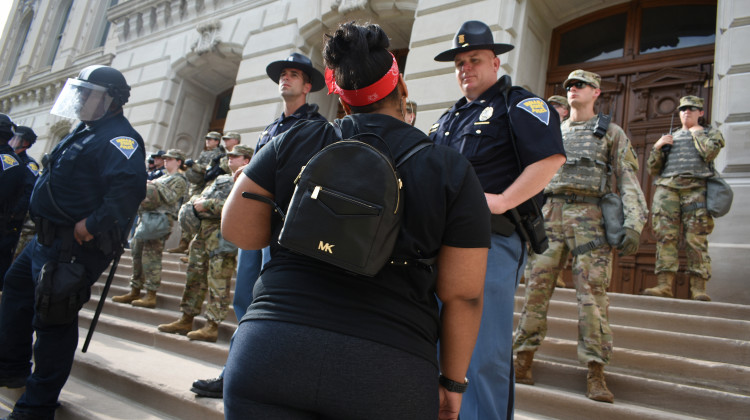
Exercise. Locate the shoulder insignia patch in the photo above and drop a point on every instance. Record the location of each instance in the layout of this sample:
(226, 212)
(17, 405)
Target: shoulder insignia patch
(536, 107)
(34, 168)
(8, 161)
(126, 145)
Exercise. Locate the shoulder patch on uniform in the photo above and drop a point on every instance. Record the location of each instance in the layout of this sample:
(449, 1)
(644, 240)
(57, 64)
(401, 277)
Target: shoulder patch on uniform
(126, 145)
(34, 168)
(537, 108)
(8, 161)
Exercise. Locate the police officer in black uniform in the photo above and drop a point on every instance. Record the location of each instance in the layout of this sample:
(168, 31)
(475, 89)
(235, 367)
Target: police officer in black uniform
(15, 223)
(82, 203)
(478, 126)
(11, 194)
(158, 170)
(296, 107)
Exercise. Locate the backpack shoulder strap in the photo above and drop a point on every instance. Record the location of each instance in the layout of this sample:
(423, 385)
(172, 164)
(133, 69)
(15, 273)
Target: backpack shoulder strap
(411, 152)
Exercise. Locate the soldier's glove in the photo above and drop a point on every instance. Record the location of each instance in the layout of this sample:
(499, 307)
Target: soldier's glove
(189, 163)
(629, 243)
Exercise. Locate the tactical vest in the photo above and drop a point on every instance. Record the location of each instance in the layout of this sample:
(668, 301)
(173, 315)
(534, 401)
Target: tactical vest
(586, 169)
(684, 159)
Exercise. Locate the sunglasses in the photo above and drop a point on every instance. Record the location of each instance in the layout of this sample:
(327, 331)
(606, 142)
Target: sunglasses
(690, 108)
(578, 85)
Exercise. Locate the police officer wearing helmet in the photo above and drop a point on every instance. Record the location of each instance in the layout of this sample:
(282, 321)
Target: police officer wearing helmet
(478, 126)
(83, 204)
(24, 138)
(12, 202)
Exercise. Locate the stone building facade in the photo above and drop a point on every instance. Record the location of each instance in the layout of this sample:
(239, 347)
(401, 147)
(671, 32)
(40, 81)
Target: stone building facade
(196, 65)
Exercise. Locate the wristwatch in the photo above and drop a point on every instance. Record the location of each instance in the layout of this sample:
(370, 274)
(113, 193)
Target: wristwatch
(452, 385)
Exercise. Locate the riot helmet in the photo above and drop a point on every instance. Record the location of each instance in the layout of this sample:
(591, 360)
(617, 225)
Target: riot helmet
(7, 128)
(89, 96)
(23, 139)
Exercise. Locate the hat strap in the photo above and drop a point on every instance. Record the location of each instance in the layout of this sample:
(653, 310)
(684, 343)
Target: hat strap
(367, 95)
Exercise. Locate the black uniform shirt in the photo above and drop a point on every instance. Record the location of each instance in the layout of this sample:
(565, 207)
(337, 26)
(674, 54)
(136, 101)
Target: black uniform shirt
(11, 181)
(284, 123)
(96, 172)
(479, 130)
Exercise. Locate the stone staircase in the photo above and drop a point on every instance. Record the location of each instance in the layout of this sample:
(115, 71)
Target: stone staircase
(673, 359)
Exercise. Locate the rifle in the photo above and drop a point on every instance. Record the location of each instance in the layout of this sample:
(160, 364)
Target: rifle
(667, 147)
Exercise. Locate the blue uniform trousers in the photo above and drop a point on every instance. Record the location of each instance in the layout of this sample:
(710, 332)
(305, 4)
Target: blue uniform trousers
(249, 264)
(55, 345)
(491, 388)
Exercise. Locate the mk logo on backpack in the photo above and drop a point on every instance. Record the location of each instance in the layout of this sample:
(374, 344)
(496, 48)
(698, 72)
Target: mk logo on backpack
(326, 247)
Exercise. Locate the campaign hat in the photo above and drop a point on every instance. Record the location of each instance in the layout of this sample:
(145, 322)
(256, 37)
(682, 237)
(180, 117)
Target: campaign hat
(297, 61)
(473, 35)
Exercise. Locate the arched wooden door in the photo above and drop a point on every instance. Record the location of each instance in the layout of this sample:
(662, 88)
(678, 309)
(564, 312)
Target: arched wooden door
(649, 54)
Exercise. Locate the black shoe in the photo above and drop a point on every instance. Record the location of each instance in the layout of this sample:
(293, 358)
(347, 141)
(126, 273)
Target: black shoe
(212, 388)
(13, 381)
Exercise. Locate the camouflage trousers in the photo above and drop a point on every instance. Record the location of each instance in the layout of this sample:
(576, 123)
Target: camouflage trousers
(675, 207)
(568, 226)
(146, 263)
(208, 271)
(27, 234)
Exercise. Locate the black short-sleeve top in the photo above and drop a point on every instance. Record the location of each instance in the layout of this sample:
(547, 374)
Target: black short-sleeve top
(443, 205)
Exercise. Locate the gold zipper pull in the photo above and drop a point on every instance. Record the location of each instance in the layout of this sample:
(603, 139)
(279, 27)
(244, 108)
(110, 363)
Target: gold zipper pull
(296, 180)
(315, 192)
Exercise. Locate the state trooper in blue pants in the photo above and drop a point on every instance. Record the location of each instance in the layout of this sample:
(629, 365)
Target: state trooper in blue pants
(83, 203)
(478, 126)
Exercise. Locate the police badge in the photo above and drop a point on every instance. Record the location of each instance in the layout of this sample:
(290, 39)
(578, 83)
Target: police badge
(486, 114)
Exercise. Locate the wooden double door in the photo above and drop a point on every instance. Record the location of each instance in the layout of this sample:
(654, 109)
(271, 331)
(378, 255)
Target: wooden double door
(642, 92)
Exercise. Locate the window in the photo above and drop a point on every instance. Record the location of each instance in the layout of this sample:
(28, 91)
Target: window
(105, 31)
(671, 27)
(599, 40)
(61, 23)
(15, 54)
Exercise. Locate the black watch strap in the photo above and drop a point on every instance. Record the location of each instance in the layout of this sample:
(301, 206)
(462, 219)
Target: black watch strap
(452, 385)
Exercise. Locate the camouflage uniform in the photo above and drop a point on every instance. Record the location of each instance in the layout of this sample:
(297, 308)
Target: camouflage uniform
(680, 199)
(574, 225)
(168, 192)
(212, 260)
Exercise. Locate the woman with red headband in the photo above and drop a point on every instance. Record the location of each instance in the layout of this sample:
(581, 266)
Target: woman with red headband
(319, 342)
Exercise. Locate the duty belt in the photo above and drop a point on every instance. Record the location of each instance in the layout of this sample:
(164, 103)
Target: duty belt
(573, 198)
(47, 231)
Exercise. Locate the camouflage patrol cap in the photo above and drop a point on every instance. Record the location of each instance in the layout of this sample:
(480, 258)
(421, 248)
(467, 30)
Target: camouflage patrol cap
(232, 135)
(175, 154)
(213, 135)
(584, 76)
(691, 100)
(241, 150)
(560, 100)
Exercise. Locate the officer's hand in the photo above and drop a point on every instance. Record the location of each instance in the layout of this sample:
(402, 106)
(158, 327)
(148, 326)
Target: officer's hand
(82, 234)
(663, 141)
(189, 163)
(496, 203)
(629, 243)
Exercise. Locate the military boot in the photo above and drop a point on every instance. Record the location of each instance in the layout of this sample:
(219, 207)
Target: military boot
(182, 326)
(522, 366)
(181, 248)
(596, 387)
(149, 301)
(698, 289)
(209, 332)
(663, 288)
(128, 297)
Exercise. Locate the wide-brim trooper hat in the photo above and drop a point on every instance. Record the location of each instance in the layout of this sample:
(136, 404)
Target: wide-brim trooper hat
(473, 35)
(297, 61)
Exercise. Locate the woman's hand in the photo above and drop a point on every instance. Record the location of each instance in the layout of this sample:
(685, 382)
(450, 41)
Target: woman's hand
(450, 404)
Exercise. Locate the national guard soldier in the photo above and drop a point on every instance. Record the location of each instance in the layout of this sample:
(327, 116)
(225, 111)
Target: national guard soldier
(83, 204)
(560, 103)
(680, 199)
(296, 77)
(13, 202)
(196, 175)
(211, 261)
(163, 196)
(574, 224)
(231, 139)
(478, 126)
(25, 137)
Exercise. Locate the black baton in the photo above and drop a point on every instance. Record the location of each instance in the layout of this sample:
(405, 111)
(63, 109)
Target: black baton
(102, 298)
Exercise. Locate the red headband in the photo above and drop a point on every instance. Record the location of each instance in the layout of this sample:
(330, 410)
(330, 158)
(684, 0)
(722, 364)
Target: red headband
(369, 94)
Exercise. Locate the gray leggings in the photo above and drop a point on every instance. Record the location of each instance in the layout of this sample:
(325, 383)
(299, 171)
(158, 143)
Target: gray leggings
(278, 370)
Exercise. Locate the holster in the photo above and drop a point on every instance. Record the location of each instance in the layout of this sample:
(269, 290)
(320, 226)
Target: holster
(502, 225)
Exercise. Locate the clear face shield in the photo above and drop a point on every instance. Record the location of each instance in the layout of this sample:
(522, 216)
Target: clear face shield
(18, 143)
(82, 100)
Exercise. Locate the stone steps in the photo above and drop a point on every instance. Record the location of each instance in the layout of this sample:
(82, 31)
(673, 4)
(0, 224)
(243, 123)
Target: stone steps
(672, 360)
